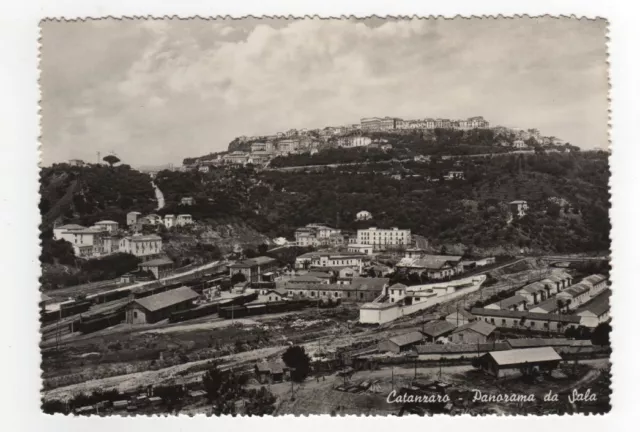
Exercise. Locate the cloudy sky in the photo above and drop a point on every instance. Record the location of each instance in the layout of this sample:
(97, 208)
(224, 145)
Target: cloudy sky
(161, 90)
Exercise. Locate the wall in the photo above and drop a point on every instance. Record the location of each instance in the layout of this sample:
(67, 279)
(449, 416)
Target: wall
(468, 336)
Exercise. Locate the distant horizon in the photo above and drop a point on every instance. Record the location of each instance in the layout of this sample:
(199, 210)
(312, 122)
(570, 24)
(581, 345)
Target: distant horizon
(158, 91)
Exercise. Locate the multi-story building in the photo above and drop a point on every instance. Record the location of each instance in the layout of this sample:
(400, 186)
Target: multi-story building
(184, 219)
(519, 144)
(316, 235)
(430, 123)
(443, 123)
(132, 217)
(478, 122)
(142, 246)
(286, 146)
(236, 158)
(258, 146)
(259, 269)
(169, 220)
(388, 123)
(356, 141)
(384, 238)
(370, 124)
(107, 225)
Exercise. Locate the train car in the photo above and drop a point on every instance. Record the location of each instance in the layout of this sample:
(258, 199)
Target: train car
(101, 322)
(232, 312)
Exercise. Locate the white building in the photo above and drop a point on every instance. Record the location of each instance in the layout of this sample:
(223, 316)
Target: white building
(169, 220)
(383, 238)
(364, 215)
(361, 249)
(107, 225)
(141, 245)
(519, 144)
(184, 219)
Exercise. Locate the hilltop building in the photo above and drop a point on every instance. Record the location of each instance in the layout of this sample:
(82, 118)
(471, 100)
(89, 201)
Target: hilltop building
(132, 217)
(259, 269)
(142, 246)
(364, 215)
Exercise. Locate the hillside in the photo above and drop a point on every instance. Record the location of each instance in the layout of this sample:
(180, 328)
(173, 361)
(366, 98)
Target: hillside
(470, 212)
(85, 195)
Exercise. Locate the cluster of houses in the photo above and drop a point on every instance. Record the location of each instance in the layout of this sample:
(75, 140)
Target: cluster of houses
(552, 304)
(135, 220)
(365, 241)
(394, 123)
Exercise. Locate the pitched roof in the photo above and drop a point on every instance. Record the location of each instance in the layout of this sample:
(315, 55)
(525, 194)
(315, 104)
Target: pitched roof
(106, 222)
(261, 260)
(369, 284)
(431, 262)
(549, 305)
(594, 279)
(165, 299)
(438, 328)
(144, 237)
(545, 342)
(482, 327)
(577, 289)
(527, 355)
(572, 319)
(398, 286)
(534, 287)
(510, 301)
(407, 338)
(451, 348)
(462, 313)
(597, 306)
(156, 262)
(270, 367)
(72, 227)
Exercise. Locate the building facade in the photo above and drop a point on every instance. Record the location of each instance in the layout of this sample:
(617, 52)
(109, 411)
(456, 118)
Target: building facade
(384, 238)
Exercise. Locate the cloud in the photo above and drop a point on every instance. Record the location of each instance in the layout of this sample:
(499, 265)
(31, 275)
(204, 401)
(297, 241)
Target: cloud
(159, 91)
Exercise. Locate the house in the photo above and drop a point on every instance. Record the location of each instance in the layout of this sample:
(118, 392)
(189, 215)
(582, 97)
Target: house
(516, 303)
(435, 266)
(184, 219)
(315, 235)
(132, 217)
(437, 329)
(259, 269)
(169, 220)
(518, 208)
(363, 215)
(269, 372)
(598, 284)
(160, 267)
(157, 307)
(526, 320)
(473, 332)
(400, 343)
(460, 317)
(396, 292)
(519, 361)
(143, 246)
(258, 146)
(86, 242)
(360, 249)
(66, 229)
(76, 162)
(331, 260)
(204, 168)
(384, 238)
(152, 219)
(107, 225)
(519, 144)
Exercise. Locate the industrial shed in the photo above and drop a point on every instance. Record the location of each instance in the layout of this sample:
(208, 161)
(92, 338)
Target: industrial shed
(520, 361)
(400, 343)
(157, 307)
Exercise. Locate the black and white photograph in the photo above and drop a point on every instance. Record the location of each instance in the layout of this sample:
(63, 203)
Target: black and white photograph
(345, 216)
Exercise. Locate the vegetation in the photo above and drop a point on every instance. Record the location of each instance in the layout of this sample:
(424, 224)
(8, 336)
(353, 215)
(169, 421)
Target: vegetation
(298, 362)
(224, 388)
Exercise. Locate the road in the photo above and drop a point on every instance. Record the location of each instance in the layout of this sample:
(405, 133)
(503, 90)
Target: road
(159, 196)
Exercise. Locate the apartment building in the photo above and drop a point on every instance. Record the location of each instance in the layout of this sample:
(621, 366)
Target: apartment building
(383, 238)
(143, 246)
(370, 124)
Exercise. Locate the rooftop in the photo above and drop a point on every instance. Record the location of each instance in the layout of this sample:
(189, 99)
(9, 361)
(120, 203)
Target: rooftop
(144, 237)
(482, 327)
(527, 355)
(106, 222)
(261, 260)
(546, 342)
(595, 279)
(163, 300)
(432, 262)
(577, 289)
(438, 328)
(157, 262)
(407, 338)
(72, 227)
(549, 305)
(571, 319)
(461, 348)
(511, 301)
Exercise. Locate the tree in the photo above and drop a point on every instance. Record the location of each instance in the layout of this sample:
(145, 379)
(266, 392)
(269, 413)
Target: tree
(111, 159)
(212, 381)
(298, 362)
(600, 335)
(262, 249)
(238, 278)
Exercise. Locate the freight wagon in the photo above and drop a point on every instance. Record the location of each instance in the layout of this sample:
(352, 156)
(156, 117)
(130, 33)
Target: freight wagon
(262, 308)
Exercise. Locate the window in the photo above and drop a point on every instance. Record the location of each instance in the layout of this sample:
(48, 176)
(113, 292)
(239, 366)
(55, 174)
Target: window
(135, 314)
(361, 295)
(493, 321)
(504, 322)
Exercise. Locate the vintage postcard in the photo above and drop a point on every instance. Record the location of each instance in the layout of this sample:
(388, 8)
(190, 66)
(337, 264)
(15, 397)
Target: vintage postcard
(325, 216)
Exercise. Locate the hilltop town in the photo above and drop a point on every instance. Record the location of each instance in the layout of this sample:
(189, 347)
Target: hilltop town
(369, 133)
